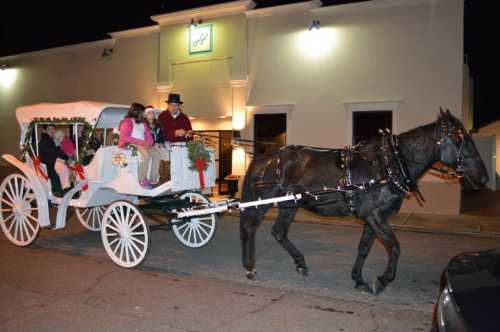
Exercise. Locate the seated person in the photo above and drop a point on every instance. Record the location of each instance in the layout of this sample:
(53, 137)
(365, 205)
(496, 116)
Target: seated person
(158, 150)
(49, 153)
(175, 125)
(134, 131)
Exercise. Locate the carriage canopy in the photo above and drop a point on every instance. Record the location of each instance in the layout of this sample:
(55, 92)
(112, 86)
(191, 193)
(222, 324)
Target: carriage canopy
(97, 114)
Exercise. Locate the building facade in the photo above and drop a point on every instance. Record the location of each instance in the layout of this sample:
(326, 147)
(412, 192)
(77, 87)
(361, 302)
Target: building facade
(232, 62)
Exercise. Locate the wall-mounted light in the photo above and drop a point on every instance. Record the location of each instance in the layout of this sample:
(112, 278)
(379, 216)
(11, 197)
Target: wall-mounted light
(239, 119)
(7, 75)
(314, 25)
(107, 52)
(194, 23)
(238, 165)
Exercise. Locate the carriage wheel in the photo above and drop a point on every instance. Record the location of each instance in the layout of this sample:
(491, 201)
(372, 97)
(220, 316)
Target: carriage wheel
(19, 210)
(125, 234)
(198, 231)
(91, 218)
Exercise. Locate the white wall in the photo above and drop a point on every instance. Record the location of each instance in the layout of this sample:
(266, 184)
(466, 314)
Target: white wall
(412, 54)
(127, 76)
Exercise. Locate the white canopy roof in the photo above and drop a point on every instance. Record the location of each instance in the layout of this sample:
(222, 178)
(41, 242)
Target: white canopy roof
(98, 114)
(90, 110)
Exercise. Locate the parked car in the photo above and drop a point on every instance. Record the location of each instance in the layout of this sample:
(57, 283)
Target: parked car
(469, 299)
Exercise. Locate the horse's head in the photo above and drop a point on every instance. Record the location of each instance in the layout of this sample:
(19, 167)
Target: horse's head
(458, 150)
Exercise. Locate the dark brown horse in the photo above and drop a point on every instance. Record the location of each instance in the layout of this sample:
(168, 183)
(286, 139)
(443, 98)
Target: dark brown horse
(300, 170)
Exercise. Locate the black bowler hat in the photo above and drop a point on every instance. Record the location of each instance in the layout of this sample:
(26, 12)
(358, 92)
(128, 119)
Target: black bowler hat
(174, 98)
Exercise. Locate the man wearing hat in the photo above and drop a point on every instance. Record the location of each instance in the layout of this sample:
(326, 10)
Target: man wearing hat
(175, 125)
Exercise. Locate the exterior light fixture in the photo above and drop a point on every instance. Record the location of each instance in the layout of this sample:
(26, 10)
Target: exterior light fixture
(107, 52)
(314, 25)
(7, 75)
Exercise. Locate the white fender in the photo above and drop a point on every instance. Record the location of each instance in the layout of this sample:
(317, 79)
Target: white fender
(38, 188)
(63, 206)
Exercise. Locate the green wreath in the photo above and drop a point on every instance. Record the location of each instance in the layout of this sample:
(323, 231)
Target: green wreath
(197, 151)
(86, 134)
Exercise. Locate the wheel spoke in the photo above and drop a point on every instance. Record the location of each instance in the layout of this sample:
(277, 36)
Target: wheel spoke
(198, 233)
(182, 226)
(121, 250)
(138, 234)
(210, 226)
(132, 250)
(187, 228)
(113, 220)
(113, 241)
(113, 228)
(203, 230)
(120, 243)
(189, 234)
(127, 257)
(5, 210)
(8, 203)
(138, 241)
(30, 216)
(11, 224)
(9, 193)
(29, 224)
(16, 229)
(136, 226)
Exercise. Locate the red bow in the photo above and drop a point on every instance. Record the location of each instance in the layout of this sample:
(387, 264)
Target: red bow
(38, 168)
(200, 165)
(78, 169)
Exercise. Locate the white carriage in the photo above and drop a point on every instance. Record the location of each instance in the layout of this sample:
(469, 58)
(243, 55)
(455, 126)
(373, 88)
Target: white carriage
(106, 196)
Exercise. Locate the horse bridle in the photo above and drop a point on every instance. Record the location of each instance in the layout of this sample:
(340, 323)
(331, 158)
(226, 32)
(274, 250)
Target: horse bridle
(448, 137)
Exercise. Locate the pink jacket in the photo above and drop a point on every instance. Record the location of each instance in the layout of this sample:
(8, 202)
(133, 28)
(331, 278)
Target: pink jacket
(67, 146)
(126, 127)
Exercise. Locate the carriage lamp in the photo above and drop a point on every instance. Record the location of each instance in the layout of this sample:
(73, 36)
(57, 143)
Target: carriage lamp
(119, 159)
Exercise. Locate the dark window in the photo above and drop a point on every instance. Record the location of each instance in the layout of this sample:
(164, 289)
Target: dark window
(365, 125)
(269, 132)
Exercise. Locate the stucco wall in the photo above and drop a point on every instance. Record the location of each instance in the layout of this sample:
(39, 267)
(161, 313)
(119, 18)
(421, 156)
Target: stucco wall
(127, 76)
(412, 54)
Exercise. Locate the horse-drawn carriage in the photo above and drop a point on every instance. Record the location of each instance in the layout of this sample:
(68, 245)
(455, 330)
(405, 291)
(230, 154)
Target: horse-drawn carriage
(106, 196)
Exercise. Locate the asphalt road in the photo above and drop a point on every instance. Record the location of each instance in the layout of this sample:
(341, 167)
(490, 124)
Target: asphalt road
(65, 282)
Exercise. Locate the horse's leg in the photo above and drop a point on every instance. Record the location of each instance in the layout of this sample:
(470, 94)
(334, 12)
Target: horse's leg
(280, 233)
(391, 244)
(364, 247)
(250, 219)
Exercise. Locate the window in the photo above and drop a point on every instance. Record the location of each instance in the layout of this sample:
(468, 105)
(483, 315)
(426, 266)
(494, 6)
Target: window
(366, 124)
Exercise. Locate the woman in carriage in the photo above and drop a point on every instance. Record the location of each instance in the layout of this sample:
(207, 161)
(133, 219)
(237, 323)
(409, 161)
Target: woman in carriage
(135, 132)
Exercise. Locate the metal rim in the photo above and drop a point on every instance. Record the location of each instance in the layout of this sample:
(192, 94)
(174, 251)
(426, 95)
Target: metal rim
(19, 210)
(195, 232)
(91, 218)
(125, 234)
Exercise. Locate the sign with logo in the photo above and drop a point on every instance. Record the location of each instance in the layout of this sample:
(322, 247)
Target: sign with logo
(200, 38)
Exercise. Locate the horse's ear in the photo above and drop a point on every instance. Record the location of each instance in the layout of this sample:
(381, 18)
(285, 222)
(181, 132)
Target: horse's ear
(448, 112)
(441, 113)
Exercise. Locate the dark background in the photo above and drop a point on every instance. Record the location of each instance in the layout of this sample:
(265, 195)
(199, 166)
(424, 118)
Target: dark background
(28, 26)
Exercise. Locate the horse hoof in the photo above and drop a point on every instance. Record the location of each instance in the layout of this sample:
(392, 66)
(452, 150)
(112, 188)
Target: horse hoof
(302, 271)
(363, 288)
(379, 287)
(251, 275)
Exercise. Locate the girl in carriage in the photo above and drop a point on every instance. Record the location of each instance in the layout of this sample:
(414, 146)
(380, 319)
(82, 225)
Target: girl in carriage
(134, 131)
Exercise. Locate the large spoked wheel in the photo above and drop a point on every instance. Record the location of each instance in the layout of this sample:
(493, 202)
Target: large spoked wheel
(91, 218)
(125, 234)
(198, 231)
(19, 210)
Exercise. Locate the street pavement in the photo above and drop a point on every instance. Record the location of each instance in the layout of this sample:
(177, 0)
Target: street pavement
(65, 282)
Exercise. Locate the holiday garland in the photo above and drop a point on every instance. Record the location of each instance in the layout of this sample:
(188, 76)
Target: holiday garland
(86, 134)
(199, 158)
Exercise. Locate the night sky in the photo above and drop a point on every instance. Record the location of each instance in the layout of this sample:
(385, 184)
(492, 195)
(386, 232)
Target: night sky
(28, 26)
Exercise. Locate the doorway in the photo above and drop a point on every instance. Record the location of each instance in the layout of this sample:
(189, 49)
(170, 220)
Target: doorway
(269, 132)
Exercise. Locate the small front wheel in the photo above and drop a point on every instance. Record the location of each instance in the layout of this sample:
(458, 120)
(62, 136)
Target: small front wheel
(91, 218)
(125, 234)
(195, 232)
